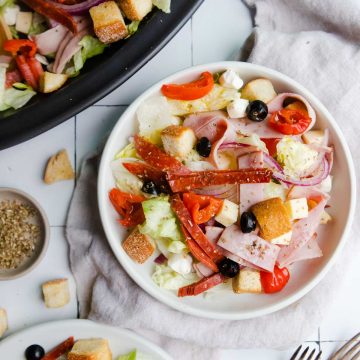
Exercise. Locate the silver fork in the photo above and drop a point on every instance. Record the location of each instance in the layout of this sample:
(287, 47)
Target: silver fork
(305, 356)
(350, 351)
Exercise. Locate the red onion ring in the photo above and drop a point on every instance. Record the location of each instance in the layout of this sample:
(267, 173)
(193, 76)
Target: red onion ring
(79, 9)
(160, 259)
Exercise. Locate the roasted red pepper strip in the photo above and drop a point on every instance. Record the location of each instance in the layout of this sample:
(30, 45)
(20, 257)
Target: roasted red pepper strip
(49, 9)
(197, 252)
(276, 281)
(128, 206)
(201, 286)
(194, 230)
(201, 179)
(158, 158)
(290, 122)
(25, 71)
(20, 45)
(271, 144)
(190, 91)
(60, 349)
(202, 207)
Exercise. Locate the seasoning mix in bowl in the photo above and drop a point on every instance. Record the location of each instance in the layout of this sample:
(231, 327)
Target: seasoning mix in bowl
(24, 233)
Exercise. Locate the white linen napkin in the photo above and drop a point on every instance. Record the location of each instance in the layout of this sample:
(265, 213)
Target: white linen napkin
(314, 42)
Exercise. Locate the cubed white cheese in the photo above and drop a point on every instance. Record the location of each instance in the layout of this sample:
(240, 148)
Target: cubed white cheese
(247, 281)
(313, 137)
(23, 21)
(325, 218)
(10, 14)
(297, 208)
(178, 141)
(228, 213)
(326, 184)
(237, 108)
(284, 239)
(230, 79)
(180, 263)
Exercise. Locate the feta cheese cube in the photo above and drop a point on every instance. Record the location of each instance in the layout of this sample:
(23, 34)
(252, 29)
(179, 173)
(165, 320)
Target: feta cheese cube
(237, 108)
(3, 322)
(284, 239)
(325, 218)
(178, 141)
(297, 208)
(180, 263)
(230, 79)
(228, 213)
(10, 14)
(23, 22)
(247, 281)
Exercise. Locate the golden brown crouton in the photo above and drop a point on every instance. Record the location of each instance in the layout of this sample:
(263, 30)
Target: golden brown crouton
(178, 141)
(58, 168)
(135, 9)
(272, 217)
(90, 349)
(3, 322)
(247, 281)
(109, 25)
(56, 293)
(139, 246)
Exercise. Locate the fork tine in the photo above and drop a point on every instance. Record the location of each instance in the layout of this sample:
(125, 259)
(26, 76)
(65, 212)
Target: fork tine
(302, 356)
(295, 353)
(357, 356)
(345, 347)
(318, 357)
(352, 352)
(311, 355)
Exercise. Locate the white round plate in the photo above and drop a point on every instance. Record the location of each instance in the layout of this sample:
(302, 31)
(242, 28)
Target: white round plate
(50, 334)
(304, 275)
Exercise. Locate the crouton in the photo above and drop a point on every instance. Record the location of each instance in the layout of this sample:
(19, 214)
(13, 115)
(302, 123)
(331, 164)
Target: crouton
(58, 168)
(139, 246)
(109, 25)
(56, 293)
(258, 89)
(247, 281)
(178, 141)
(3, 322)
(135, 9)
(90, 349)
(228, 213)
(325, 218)
(272, 218)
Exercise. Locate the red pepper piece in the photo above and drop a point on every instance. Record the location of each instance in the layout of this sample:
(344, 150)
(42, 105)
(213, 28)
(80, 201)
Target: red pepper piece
(201, 286)
(276, 281)
(271, 145)
(201, 179)
(194, 230)
(197, 252)
(25, 71)
(60, 349)
(158, 158)
(20, 45)
(290, 122)
(49, 9)
(202, 207)
(190, 91)
(35, 68)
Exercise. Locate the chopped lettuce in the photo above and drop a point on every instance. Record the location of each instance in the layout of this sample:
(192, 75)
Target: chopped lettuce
(154, 115)
(38, 24)
(14, 33)
(125, 181)
(254, 140)
(273, 190)
(163, 5)
(295, 156)
(133, 27)
(127, 152)
(167, 278)
(130, 356)
(217, 99)
(6, 3)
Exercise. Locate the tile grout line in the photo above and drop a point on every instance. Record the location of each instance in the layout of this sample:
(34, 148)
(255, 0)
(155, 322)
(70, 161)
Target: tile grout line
(319, 339)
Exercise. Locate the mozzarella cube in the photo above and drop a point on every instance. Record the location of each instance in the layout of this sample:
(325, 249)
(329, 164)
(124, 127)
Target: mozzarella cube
(3, 322)
(297, 208)
(313, 137)
(230, 79)
(10, 14)
(237, 108)
(326, 184)
(23, 21)
(325, 218)
(178, 141)
(180, 263)
(247, 281)
(228, 213)
(284, 239)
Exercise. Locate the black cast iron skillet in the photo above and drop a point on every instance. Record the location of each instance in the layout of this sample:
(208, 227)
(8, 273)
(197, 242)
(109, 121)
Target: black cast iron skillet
(100, 76)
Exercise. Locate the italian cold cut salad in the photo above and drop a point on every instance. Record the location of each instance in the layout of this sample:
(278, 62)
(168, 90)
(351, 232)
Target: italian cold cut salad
(224, 183)
(44, 43)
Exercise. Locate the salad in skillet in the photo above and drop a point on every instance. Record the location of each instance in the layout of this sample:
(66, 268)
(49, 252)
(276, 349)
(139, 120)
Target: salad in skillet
(224, 183)
(43, 43)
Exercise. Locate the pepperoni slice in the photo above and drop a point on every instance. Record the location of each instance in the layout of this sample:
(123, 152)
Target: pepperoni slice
(201, 286)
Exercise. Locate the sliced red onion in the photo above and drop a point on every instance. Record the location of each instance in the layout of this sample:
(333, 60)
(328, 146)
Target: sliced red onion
(160, 259)
(81, 8)
(272, 163)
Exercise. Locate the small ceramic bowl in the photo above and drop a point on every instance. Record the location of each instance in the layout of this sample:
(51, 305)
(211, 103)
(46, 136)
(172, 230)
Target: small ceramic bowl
(42, 242)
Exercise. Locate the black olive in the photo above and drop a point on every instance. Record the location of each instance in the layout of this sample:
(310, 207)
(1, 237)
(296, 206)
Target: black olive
(34, 352)
(150, 187)
(247, 222)
(203, 147)
(228, 268)
(257, 110)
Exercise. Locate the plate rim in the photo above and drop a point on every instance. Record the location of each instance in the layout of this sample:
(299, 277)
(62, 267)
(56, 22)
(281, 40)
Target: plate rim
(264, 310)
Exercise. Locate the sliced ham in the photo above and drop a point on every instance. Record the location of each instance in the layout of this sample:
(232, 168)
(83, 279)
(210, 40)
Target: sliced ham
(202, 270)
(213, 233)
(251, 194)
(215, 126)
(240, 261)
(49, 41)
(249, 247)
